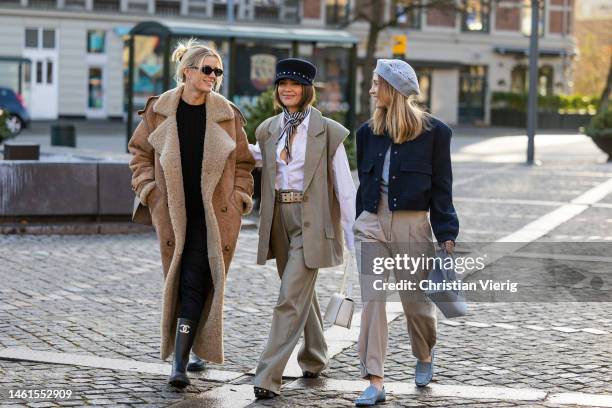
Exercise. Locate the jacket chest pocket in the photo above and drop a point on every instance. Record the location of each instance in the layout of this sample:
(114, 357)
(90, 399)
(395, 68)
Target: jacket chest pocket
(415, 176)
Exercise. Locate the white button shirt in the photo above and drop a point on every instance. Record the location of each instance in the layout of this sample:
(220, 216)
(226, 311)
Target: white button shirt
(290, 176)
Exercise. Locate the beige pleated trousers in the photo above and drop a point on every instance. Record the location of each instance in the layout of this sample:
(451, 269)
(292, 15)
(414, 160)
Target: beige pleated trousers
(297, 309)
(393, 232)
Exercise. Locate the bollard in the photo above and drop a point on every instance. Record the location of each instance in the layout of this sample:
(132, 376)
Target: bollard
(22, 151)
(63, 135)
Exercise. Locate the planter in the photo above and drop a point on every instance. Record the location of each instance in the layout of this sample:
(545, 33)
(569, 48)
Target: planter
(605, 144)
(63, 135)
(546, 120)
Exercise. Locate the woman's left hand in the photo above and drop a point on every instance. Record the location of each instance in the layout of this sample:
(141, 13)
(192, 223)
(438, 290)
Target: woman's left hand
(449, 246)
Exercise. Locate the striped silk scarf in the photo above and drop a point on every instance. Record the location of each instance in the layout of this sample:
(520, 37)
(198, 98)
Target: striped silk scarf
(292, 121)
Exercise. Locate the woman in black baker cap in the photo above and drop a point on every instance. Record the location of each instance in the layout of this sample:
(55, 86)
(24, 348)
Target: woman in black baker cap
(307, 201)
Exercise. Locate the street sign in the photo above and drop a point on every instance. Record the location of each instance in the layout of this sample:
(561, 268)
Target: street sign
(399, 45)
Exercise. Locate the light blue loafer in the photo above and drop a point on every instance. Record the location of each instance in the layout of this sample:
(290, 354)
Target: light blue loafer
(370, 396)
(424, 371)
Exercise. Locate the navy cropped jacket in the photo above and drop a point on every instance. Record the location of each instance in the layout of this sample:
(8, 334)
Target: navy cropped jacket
(420, 175)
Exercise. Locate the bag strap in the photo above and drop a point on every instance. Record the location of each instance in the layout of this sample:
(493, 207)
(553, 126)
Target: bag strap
(347, 264)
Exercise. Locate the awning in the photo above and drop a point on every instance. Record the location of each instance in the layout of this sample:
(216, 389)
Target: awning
(14, 59)
(415, 63)
(208, 30)
(544, 52)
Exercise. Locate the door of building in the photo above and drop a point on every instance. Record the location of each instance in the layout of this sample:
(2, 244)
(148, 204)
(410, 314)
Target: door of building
(472, 93)
(41, 49)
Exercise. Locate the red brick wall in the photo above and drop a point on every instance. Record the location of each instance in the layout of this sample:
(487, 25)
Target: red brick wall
(312, 9)
(441, 17)
(555, 22)
(507, 18)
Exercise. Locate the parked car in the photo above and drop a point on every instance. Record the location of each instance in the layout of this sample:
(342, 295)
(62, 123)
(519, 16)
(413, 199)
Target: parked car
(12, 102)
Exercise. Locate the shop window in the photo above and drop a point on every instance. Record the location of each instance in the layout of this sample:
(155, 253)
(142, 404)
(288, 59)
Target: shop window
(475, 17)
(518, 80)
(408, 12)
(545, 80)
(96, 41)
(31, 37)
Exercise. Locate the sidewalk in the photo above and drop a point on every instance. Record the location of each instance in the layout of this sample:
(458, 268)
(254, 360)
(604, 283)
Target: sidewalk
(81, 313)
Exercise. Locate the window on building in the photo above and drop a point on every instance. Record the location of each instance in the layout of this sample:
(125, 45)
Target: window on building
(266, 9)
(31, 37)
(95, 98)
(168, 7)
(526, 18)
(220, 9)
(408, 13)
(441, 16)
(337, 11)
(43, 4)
(518, 80)
(560, 17)
(475, 16)
(74, 4)
(508, 15)
(39, 72)
(27, 72)
(49, 72)
(138, 7)
(106, 5)
(48, 39)
(96, 41)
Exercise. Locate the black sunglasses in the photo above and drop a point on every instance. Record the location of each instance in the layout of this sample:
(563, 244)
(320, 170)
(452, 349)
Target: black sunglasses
(207, 70)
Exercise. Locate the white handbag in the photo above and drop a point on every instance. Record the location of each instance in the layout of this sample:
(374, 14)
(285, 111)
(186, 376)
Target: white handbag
(341, 307)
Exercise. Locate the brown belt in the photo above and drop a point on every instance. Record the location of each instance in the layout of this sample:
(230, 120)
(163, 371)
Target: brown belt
(289, 196)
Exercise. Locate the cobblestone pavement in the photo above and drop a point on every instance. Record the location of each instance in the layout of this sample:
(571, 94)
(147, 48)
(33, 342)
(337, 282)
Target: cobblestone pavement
(100, 296)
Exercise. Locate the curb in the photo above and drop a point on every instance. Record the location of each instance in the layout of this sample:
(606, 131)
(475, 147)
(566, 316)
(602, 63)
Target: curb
(89, 228)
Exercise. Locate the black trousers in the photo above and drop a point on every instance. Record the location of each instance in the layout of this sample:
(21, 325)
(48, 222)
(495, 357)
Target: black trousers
(196, 280)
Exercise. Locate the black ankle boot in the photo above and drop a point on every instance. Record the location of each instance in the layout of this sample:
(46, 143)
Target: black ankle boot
(196, 363)
(185, 332)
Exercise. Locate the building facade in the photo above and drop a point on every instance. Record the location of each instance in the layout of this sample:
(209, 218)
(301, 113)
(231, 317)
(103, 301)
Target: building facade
(75, 53)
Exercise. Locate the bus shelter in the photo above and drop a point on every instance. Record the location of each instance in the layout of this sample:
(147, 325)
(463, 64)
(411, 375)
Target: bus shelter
(249, 57)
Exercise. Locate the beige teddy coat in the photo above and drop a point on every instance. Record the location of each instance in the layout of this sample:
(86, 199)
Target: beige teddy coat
(227, 186)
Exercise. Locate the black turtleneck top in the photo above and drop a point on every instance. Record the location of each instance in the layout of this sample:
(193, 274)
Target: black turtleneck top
(191, 124)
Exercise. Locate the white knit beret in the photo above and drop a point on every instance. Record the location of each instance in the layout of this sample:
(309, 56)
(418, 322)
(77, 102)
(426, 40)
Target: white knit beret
(399, 74)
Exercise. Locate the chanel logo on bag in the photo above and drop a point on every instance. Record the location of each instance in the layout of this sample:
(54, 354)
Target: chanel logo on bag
(184, 328)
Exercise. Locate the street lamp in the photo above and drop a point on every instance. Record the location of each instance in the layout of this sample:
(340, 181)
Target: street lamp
(532, 101)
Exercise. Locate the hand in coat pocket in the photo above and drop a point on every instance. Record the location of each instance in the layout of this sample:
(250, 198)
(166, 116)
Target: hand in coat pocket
(242, 201)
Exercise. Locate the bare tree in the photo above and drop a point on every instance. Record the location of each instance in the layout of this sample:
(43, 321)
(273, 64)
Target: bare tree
(373, 12)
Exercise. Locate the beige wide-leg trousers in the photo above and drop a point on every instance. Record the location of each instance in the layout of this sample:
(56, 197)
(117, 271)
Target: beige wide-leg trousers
(297, 309)
(392, 233)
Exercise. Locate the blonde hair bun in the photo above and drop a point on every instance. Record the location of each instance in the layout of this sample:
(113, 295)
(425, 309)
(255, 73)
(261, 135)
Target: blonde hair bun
(189, 54)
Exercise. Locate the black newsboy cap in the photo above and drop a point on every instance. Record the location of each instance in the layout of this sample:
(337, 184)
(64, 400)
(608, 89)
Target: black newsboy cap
(296, 69)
